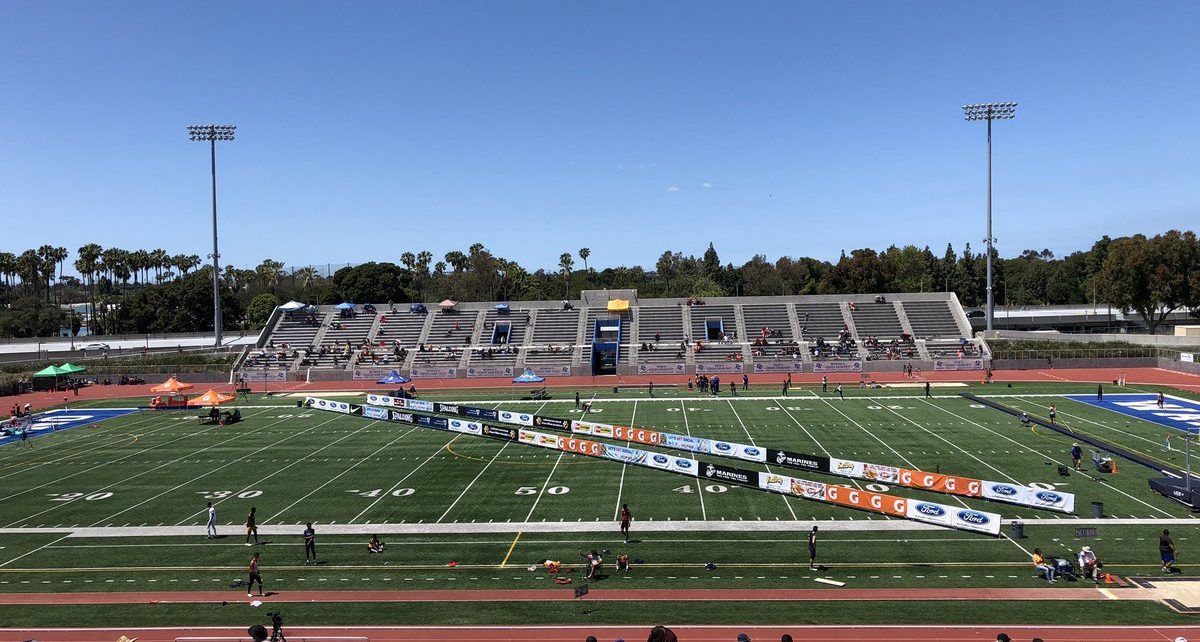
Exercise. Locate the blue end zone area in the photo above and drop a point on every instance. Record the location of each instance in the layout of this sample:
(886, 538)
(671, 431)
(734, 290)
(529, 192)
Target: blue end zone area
(55, 420)
(1178, 413)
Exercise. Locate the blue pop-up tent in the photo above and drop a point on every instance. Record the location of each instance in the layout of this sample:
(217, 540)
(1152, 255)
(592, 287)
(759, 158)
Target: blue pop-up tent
(344, 306)
(393, 377)
(528, 377)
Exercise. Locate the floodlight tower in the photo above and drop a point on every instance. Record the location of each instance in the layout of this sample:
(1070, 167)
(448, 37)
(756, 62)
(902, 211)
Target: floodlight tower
(990, 112)
(211, 134)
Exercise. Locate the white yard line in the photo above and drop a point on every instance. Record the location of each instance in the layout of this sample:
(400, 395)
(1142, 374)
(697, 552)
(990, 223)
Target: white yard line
(545, 484)
(404, 479)
(1040, 454)
(751, 438)
(119, 459)
(27, 554)
(699, 490)
(621, 488)
(472, 484)
(298, 460)
(209, 472)
(80, 450)
(337, 476)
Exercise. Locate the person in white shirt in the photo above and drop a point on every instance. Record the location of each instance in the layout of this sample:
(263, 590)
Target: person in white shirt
(1088, 563)
(212, 521)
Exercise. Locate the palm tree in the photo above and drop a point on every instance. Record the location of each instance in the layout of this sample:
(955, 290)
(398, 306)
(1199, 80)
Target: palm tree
(185, 262)
(457, 260)
(8, 267)
(566, 263)
(140, 262)
(584, 253)
(88, 264)
(307, 276)
(160, 261)
(269, 273)
(439, 267)
(29, 269)
(48, 262)
(408, 260)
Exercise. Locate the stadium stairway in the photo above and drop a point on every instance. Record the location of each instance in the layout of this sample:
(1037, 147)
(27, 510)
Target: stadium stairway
(743, 337)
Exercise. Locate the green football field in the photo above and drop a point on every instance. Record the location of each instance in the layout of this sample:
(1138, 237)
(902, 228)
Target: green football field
(498, 508)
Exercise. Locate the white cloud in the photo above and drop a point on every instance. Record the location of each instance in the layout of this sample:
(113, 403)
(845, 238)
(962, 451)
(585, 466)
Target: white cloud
(706, 185)
(672, 188)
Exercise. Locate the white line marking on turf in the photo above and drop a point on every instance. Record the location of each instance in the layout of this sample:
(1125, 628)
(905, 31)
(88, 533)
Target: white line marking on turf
(699, 490)
(209, 472)
(34, 550)
(621, 487)
(748, 436)
(545, 484)
(470, 485)
(335, 477)
(74, 452)
(403, 479)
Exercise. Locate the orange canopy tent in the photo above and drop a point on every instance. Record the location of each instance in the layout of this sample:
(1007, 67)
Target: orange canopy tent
(211, 398)
(172, 386)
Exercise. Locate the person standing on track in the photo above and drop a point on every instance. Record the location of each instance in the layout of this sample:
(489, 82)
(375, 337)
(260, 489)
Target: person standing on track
(812, 549)
(310, 544)
(651, 389)
(745, 381)
(1161, 400)
(211, 530)
(824, 383)
(251, 526)
(927, 395)
(626, 518)
(254, 577)
(1100, 392)
(1053, 415)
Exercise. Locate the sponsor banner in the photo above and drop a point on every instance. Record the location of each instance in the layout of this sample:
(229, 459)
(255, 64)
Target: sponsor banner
(778, 366)
(481, 413)
(631, 455)
(326, 404)
(384, 400)
(658, 460)
(552, 371)
(402, 416)
(519, 418)
(440, 423)
(845, 467)
(815, 463)
(536, 438)
(740, 451)
(739, 476)
(638, 435)
(683, 465)
(885, 474)
(837, 366)
(551, 423)
(490, 371)
(356, 409)
(867, 500)
(1051, 499)
(718, 368)
(371, 374)
(684, 442)
(496, 432)
(661, 368)
(974, 520)
(373, 412)
(958, 364)
(448, 408)
(1027, 496)
(929, 512)
(467, 427)
(582, 446)
(433, 373)
(1187, 357)
(268, 375)
(418, 404)
(807, 489)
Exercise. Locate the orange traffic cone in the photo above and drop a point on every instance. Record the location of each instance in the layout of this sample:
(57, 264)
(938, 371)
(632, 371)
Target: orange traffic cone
(1114, 465)
(1108, 579)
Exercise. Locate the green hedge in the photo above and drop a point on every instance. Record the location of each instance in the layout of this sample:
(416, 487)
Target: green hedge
(152, 363)
(1049, 349)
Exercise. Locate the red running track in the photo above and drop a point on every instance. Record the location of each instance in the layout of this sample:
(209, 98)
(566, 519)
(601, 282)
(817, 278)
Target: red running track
(800, 632)
(1134, 376)
(540, 595)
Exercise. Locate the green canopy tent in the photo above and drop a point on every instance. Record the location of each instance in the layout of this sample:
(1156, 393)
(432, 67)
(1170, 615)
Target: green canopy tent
(47, 377)
(70, 369)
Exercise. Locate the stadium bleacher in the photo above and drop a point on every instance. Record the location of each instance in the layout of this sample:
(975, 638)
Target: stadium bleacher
(555, 332)
(714, 327)
(660, 328)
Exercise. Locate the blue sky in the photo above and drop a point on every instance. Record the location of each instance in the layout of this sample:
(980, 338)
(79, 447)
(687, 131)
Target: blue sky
(370, 129)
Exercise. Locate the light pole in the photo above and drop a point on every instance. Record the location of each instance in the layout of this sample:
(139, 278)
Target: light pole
(989, 112)
(211, 134)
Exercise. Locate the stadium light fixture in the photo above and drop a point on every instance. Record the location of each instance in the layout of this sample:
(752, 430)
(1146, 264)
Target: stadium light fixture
(211, 134)
(989, 112)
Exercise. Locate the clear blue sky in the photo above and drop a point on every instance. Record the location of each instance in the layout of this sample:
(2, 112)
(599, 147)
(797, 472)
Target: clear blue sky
(797, 128)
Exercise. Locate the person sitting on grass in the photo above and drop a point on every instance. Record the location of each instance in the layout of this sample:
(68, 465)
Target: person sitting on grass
(1042, 567)
(592, 561)
(375, 546)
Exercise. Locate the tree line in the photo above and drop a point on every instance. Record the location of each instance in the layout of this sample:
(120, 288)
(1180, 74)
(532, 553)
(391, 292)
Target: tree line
(152, 291)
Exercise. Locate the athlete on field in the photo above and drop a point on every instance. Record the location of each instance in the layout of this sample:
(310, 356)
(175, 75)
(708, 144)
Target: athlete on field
(626, 518)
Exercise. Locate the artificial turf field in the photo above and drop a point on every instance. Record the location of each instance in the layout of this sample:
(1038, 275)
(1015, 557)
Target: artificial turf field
(515, 505)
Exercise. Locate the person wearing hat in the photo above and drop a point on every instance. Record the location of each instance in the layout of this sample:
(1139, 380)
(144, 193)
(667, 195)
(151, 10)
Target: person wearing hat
(742, 637)
(1076, 455)
(1003, 637)
(1088, 563)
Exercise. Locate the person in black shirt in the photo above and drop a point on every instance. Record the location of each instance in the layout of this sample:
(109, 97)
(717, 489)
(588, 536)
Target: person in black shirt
(310, 544)
(812, 549)
(1166, 551)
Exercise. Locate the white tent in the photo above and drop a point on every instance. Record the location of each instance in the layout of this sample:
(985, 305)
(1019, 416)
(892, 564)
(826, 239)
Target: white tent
(292, 306)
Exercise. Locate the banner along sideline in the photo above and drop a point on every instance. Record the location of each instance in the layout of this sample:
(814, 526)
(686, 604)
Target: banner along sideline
(891, 505)
(876, 473)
